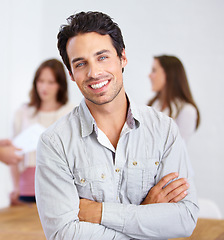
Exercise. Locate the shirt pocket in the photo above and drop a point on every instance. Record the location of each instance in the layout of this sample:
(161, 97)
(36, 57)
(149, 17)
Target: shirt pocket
(92, 182)
(140, 178)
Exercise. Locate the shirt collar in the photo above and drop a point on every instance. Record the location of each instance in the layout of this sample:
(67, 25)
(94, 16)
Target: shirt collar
(88, 123)
(133, 117)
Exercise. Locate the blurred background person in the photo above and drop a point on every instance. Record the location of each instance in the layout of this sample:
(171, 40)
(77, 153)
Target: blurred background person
(48, 102)
(8, 152)
(173, 95)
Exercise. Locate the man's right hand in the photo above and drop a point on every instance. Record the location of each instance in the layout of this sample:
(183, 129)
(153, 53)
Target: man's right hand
(163, 192)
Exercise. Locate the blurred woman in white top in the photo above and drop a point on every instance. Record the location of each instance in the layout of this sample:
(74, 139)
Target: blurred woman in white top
(173, 95)
(48, 102)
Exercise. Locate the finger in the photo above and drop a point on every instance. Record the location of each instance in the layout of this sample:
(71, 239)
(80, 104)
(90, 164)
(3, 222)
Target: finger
(179, 197)
(173, 185)
(16, 159)
(5, 142)
(19, 158)
(8, 142)
(166, 179)
(175, 193)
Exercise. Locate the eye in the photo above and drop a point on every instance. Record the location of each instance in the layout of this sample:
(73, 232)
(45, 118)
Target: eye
(102, 58)
(52, 82)
(79, 65)
(40, 81)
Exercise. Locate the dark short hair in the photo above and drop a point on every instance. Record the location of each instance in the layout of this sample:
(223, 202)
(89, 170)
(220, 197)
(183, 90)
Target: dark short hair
(60, 77)
(85, 22)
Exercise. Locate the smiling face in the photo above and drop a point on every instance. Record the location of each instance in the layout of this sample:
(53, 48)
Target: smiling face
(47, 87)
(157, 76)
(96, 67)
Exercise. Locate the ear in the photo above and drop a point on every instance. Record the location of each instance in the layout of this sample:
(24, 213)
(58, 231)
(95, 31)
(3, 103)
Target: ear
(124, 59)
(71, 76)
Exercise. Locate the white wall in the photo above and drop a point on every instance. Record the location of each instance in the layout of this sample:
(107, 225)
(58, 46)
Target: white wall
(189, 29)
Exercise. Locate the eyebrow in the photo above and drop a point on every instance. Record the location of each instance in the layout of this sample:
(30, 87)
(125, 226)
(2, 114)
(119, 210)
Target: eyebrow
(77, 59)
(96, 54)
(101, 52)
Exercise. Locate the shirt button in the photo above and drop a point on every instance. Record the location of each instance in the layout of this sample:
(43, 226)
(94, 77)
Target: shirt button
(82, 180)
(157, 163)
(117, 170)
(103, 176)
(135, 163)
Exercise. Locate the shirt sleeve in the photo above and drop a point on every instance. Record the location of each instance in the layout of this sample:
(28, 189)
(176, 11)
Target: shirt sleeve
(161, 220)
(186, 121)
(57, 198)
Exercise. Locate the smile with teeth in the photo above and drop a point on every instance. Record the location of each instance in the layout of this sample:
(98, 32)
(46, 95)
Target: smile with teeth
(99, 85)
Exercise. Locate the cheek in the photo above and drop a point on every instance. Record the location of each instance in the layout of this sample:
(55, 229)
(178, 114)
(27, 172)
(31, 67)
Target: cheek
(80, 80)
(160, 84)
(38, 86)
(54, 88)
(78, 76)
(163, 81)
(114, 69)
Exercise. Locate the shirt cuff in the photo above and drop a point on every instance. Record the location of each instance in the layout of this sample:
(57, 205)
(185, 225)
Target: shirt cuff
(113, 215)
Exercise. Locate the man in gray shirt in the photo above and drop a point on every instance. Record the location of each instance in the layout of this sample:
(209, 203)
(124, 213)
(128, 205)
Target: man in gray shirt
(110, 169)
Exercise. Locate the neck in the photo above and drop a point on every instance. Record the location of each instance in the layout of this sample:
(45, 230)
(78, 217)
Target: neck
(162, 100)
(110, 117)
(47, 106)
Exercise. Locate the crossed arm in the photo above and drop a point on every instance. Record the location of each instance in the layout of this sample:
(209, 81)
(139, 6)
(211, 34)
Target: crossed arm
(63, 214)
(91, 211)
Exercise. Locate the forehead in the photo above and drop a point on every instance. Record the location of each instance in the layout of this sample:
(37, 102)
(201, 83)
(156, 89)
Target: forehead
(88, 43)
(156, 63)
(46, 71)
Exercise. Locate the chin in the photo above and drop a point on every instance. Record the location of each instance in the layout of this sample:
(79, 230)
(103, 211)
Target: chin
(153, 89)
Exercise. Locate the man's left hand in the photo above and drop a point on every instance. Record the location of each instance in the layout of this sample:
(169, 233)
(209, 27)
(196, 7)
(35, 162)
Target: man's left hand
(90, 211)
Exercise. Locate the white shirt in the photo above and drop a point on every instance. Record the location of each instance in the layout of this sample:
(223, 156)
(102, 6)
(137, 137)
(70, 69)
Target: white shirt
(186, 119)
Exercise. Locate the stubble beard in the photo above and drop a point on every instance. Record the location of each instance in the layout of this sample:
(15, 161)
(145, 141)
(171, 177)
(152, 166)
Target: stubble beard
(113, 96)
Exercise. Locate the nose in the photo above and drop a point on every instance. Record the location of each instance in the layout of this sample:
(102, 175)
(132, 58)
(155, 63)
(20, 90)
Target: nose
(43, 86)
(94, 70)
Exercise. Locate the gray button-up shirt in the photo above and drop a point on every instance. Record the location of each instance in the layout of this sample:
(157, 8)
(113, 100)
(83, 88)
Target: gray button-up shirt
(74, 160)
